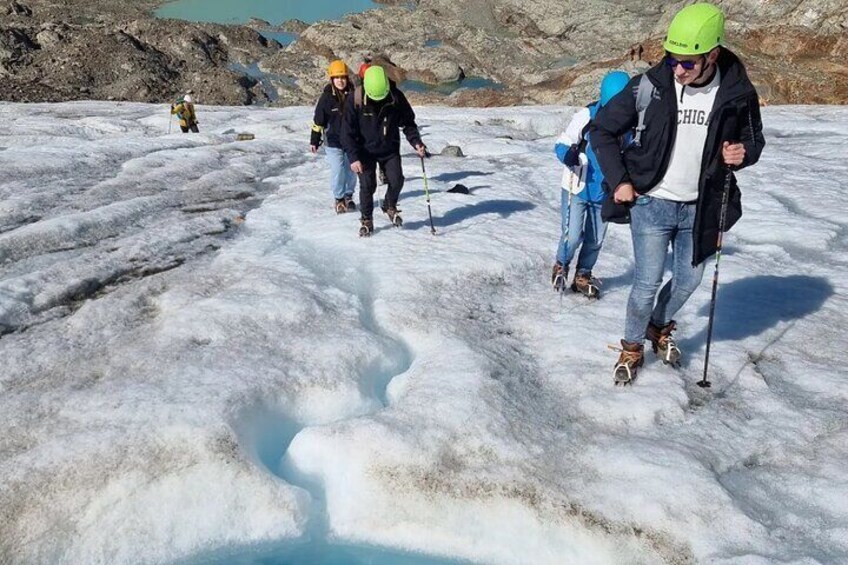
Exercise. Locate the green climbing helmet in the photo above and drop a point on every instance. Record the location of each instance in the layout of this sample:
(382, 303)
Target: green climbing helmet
(695, 30)
(376, 83)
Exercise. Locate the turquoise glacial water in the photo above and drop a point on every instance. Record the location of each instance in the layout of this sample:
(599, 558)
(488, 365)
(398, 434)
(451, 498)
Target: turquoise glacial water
(316, 554)
(284, 37)
(272, 11)
(278, 11)
(447, 88)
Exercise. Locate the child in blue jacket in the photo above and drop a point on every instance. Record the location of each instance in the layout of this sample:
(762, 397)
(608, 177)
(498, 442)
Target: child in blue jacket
(582, 195)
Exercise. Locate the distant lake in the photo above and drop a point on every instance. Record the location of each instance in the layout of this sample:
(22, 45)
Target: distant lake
(283, 37)
(266, 80)
(446, 88)
(276, 12)
(272, 11)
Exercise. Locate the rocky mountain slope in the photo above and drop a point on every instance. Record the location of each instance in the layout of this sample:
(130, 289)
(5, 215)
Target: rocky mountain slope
(545, 51)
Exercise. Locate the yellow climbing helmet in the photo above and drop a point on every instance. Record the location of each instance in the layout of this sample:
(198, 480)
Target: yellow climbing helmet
(337, 69)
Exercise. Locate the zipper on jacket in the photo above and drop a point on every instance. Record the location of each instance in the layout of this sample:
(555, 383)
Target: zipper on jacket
(717, 112)
(723, 104)
(386, 105)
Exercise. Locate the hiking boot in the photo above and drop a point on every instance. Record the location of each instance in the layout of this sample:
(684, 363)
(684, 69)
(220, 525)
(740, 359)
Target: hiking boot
(630, 359)
(559, 276)
(663, 343)
(340, 206)
(393, 214)
(366, 227)
(586, 285)
(350, 204)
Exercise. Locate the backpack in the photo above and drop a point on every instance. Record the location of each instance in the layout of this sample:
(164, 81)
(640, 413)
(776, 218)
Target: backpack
(357, 97)
(645, 91)
(644, 94)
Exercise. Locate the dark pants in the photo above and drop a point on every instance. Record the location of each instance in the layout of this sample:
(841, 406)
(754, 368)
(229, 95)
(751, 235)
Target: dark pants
(192, 127)
(368, 182)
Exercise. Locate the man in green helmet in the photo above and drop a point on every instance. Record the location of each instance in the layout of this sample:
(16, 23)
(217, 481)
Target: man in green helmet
(695, 118)
(373, 114)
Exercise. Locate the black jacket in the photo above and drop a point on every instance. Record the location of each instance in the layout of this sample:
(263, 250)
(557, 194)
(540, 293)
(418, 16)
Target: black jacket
(370, 128)
(735, 117)
(328, 116)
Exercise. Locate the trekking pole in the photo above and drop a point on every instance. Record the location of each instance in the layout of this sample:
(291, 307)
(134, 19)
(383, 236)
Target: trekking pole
(704, 382)
(567, 227)
(427, 194)
(170, 119)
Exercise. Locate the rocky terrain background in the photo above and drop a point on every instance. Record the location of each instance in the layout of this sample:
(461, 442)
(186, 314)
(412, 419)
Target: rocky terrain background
(540, 51)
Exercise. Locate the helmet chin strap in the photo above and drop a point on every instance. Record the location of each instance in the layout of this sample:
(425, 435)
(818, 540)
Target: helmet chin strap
(704, 68)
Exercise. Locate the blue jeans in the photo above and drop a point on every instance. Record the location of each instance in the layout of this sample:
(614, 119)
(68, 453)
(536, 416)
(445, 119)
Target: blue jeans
(342, 179)
(586, 227)
(654, 224)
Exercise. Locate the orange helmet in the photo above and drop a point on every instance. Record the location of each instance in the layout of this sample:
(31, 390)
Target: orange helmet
(337, 69)
(362, 68)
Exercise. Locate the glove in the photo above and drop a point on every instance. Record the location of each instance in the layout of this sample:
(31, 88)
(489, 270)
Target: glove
(572, 157)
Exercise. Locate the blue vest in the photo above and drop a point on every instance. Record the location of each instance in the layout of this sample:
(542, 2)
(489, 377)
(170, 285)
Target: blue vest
(593, 191)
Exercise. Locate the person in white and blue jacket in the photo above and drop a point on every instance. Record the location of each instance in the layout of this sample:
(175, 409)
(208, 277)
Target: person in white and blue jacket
(582, 195)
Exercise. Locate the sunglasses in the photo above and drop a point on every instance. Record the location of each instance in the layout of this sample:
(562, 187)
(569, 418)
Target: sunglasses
(687, 65)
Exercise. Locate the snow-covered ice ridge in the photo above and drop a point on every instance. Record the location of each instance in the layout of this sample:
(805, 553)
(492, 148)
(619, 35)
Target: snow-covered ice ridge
(181, 384)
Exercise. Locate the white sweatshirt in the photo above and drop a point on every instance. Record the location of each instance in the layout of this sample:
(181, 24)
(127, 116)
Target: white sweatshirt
(694, 105)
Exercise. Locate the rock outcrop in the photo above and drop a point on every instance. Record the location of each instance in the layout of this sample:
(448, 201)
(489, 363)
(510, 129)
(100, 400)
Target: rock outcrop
(554, 51)
(49, 53)
(546, 51)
